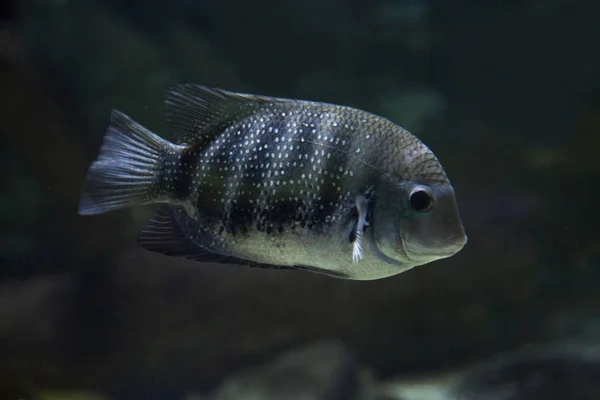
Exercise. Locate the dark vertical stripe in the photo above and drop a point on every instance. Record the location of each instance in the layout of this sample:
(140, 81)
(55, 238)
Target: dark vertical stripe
(183, 174)
(329, 192)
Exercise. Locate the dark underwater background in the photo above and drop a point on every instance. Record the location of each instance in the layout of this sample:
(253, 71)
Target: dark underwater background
(507, 95)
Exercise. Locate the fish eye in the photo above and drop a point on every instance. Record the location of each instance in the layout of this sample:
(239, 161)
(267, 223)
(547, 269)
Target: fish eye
(421, 200)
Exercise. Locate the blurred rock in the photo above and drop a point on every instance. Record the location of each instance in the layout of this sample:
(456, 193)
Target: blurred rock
(561, 371)
(548, 373)
(323, 370)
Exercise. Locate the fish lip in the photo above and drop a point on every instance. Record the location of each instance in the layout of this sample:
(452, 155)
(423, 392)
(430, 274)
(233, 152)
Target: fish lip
(431, 256)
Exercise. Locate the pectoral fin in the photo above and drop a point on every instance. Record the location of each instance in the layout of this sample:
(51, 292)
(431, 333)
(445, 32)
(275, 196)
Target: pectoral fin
(362, 205)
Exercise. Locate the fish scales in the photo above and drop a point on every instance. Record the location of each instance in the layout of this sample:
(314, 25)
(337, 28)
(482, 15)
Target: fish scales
(286, 183)
(305, 154)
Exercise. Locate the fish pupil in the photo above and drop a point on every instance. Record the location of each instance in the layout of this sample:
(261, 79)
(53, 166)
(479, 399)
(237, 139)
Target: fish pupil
(420, 201)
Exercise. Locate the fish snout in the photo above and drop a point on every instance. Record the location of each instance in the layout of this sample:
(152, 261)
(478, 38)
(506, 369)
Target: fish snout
(436, 248)
(456, 243)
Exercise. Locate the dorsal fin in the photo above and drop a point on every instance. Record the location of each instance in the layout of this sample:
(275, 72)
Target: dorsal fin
(197, 113)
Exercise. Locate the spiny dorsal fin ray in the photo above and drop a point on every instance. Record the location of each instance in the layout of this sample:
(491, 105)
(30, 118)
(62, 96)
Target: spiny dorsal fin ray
(197, 113)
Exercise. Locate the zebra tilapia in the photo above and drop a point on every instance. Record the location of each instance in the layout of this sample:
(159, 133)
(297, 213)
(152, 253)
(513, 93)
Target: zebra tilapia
(279, 183)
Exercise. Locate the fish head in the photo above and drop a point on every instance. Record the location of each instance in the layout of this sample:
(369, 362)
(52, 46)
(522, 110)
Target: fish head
(415, 214)
(429, 225)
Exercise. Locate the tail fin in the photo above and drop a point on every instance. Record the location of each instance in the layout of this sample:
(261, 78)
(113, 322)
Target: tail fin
(126, 169)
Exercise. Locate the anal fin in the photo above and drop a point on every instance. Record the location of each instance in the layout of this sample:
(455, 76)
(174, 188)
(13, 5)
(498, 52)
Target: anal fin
(162, 234)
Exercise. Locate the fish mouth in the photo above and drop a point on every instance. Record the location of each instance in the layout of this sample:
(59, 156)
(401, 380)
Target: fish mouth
(417, 253)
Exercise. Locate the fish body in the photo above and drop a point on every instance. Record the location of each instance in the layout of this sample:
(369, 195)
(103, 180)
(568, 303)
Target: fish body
(279, 183)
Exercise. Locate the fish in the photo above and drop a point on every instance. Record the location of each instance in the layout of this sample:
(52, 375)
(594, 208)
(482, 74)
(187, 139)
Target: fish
(278, 183)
